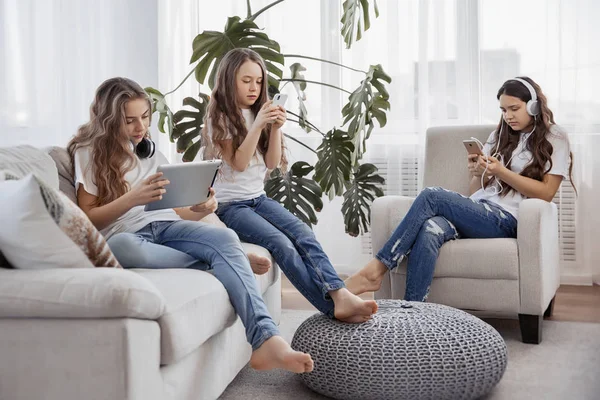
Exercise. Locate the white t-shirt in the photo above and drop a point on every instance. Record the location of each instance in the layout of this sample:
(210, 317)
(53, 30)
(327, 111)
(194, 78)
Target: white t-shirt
(136, 218)
(521, 158)
(232, 185)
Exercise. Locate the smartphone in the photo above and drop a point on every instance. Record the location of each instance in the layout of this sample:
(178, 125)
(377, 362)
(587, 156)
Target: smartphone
(279, 99)
(473, 147)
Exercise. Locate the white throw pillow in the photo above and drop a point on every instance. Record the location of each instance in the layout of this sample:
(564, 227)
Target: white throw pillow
(42, 228)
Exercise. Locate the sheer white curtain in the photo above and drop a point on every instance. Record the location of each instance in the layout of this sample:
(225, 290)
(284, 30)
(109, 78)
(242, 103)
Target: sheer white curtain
(447, 59)
(53, 55)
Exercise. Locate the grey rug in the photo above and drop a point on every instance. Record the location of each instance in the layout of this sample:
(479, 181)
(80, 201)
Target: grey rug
(566, 365)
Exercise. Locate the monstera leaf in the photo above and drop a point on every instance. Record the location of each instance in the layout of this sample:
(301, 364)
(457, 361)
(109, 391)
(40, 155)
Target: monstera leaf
(353, 21)
(165, 115)
(334, 166)
(209, 47)
(188, 126)
(358, 198)
(363, 105)
(296, 69)
(296, 192)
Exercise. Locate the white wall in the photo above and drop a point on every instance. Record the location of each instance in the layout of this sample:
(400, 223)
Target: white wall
(55, 53)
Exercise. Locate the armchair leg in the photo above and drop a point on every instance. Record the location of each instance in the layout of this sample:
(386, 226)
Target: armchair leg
(550, 310)
(531, 328)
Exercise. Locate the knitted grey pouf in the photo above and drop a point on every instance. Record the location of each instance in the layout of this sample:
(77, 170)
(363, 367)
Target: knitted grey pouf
(408, 350)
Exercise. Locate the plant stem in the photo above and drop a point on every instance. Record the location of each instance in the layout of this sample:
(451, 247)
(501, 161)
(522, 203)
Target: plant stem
(307, 122)
(182, 82)
(262, 10)
(299, 142)
(318, 83)
(249, 13)
(325, 61)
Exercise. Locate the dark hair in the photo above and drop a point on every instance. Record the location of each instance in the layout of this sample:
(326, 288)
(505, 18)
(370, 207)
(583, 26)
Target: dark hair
(537, 143)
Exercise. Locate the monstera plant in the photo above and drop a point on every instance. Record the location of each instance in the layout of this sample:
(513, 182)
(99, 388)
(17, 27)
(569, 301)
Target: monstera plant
(338, 170)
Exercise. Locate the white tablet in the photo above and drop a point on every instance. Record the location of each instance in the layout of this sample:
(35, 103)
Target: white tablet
(189, 183)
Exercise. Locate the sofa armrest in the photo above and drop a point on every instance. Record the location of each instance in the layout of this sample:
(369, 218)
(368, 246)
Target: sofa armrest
(539, 255)
(387, 212)
(78, 293)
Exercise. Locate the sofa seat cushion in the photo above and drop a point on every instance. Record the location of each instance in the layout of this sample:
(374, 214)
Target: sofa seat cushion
(78, 293)
(197, 307)
(476, 259)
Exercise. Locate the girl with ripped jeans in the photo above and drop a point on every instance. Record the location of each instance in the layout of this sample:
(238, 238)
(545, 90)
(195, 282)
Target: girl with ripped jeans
(427, 226)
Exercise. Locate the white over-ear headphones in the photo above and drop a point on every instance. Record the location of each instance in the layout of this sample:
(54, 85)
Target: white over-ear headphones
(533, 106)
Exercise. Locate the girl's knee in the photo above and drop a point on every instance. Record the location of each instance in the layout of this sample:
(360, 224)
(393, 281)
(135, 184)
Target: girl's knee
(127, 248)
(123, 242)
(226, 236)
(440, 229)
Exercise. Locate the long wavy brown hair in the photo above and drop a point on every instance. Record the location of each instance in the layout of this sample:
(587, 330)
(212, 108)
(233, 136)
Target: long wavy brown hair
(537, 143)
(225, 114)
(112, 155)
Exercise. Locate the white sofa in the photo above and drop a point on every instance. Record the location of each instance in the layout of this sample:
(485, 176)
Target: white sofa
(489, 277)
(72, 334)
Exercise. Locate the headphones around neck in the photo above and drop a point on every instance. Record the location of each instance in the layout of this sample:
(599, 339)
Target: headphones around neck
(533, 106)
(145, 148)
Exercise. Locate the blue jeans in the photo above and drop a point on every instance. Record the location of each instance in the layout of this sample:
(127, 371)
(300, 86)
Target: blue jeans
(292, 243)
(437, 216)
(164, 244)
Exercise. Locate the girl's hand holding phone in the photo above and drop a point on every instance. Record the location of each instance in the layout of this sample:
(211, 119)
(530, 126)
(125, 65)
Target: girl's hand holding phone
(280, 118)
(148, 191)
(493, 165)
(267, 115)
(475, 168)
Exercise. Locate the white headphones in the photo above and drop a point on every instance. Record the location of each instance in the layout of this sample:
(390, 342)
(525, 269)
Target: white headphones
(533, 109)
(533, 106)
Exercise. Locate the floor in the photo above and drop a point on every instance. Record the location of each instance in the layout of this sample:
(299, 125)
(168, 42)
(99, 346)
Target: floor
(572, 303)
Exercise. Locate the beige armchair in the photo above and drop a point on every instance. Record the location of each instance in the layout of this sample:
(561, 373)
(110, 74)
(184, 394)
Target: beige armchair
(491, 277)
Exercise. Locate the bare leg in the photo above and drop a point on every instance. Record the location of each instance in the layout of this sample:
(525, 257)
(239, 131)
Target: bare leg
(275, 352)
(260, 265)
(351, 308)
(368, 279)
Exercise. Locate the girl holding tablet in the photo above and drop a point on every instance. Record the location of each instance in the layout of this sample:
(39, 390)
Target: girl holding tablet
(113, 185)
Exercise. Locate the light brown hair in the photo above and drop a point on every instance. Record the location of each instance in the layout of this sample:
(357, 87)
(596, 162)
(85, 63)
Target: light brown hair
(111, 151)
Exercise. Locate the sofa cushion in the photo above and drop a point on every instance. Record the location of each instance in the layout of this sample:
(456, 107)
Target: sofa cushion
(476, 259)
(78, 293)
(197, 307)
(57, 232)
(25, 159)
(66, 181)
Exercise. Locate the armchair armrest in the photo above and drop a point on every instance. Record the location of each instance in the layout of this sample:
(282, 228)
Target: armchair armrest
(78, 293)
(387, 212)
(539, 256)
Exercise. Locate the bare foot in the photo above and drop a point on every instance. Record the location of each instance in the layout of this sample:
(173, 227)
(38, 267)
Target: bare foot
(367, 279)
(277, 353)
(351, 308)
(260, 265)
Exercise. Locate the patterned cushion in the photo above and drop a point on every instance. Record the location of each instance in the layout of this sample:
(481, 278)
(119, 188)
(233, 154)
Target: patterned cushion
(58, 233)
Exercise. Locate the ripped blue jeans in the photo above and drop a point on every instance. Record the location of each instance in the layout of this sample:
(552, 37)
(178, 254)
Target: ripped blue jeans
(437, 216)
